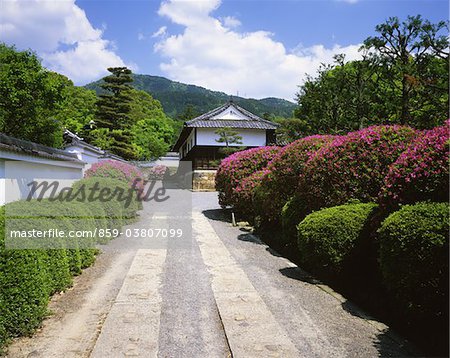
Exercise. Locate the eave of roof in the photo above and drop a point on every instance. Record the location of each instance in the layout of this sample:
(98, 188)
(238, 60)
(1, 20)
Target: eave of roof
(181, 138)
(216, 123)
(253, 122)
(83, 144)
(16, 145)
(207, 121)
(75, 140)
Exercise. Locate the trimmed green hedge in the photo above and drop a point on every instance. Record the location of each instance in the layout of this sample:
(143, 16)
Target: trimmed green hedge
(327, 238)
(293, 212)
(24, 288)
(30, 276)
(117, 211)
(414, 258)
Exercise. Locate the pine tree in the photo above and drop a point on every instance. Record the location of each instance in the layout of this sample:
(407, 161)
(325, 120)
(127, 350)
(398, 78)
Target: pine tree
(113, 111)
(228, 136)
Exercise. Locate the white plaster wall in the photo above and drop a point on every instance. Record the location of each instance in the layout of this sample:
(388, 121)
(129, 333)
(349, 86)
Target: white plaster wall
(166, 161)
(84, 154)
(2, 182)
(190, 141)
(250, 137)
(16, 175)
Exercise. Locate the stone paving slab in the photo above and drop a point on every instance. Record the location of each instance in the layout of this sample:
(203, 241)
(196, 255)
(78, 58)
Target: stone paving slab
(132, 326)
(250, 327)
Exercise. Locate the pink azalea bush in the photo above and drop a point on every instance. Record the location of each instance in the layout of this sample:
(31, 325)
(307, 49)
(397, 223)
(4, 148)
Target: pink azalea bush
(244, 194)
(281, 176)
(353, 166)
(236, 167)
(421, 172)
(117, 170)
(157, 172)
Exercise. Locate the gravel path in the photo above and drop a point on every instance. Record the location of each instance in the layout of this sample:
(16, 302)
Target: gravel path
(215, 292)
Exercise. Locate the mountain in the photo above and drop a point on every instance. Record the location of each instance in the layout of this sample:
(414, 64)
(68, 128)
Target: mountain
(176, 96)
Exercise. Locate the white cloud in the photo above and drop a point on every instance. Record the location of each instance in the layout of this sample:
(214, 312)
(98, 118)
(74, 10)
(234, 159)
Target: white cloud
(210, 54)
(188, 13)
(349, 1)
(231, 22)
(160, 32)
(141, 36)
(61, 34)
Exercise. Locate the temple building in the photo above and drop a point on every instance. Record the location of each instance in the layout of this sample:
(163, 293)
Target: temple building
(199, 143)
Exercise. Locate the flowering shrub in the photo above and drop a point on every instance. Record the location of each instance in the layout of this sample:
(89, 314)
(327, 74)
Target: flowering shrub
(421, 172)
(236, 167)
(243, 194)
(352, 166)
(157, 172)
(281, 179)
(116, 170)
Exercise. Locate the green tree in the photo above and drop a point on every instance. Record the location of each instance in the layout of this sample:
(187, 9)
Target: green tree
(410, 54)
(153, 131)
(291, 129)
(29, 95)
(402, 78)
(113, 113)
(188, 113)
(77, 110)
(228, 136)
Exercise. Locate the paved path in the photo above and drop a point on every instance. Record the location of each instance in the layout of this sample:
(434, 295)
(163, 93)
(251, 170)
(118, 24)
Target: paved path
(215, 292)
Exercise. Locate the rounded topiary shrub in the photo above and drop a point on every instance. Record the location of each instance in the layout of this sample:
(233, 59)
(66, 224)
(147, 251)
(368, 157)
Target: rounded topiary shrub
(244, 195)
(114, 169)
(327, 238)
(291, 214)
(414, 258)
(119, 202)
(421, 172)
(236, 167)
(352, 166)
(157, 172)
(281, 176)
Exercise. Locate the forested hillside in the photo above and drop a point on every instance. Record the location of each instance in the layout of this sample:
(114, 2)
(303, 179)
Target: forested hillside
(175, 97)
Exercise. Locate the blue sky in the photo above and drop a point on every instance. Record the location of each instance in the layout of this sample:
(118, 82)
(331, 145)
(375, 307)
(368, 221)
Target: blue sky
(254, 48)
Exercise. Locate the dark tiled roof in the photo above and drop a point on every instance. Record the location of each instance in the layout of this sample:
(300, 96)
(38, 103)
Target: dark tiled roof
(207, 120)
(108, 155)
(73, 139)
(218, 123)
(253, 121)
(12, 144)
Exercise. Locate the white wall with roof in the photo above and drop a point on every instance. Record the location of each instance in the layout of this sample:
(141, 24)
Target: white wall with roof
(87, 154)
(18, 170)
(250, 137)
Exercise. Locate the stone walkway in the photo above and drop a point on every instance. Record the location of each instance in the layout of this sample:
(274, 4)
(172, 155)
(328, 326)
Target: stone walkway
(215, 292)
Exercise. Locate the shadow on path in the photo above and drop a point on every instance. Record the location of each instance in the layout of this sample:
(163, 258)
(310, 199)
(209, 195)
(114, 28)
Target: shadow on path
(297, 273)
(386, 341)
(223, 215)
(250, 238)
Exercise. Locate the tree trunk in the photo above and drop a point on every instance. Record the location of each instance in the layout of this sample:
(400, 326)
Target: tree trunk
(405, 117)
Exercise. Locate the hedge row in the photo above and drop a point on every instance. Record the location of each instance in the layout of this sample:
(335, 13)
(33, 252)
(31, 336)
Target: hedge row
(413, 258)
(30, 276)
(114, 169)
(238, 166)
(335, 200)
(281, 177)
